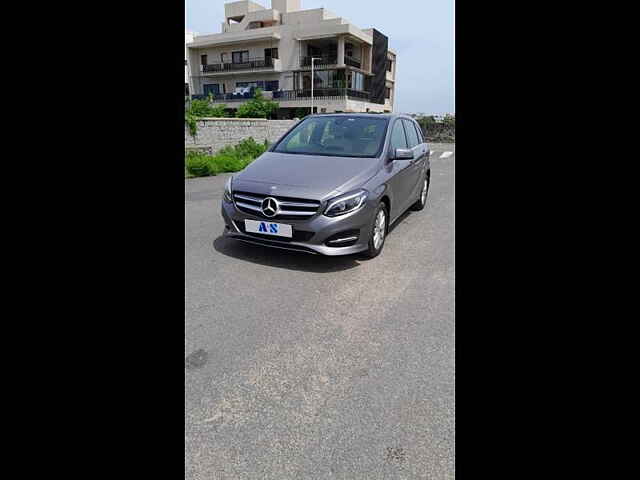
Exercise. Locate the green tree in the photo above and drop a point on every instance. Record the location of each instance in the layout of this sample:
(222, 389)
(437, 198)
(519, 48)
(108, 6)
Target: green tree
(199, 109)
(257, 107)
(449, 121)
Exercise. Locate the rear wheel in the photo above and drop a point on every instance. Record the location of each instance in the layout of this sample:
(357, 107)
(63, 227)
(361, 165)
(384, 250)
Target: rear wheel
(422, 200)
(378, 232)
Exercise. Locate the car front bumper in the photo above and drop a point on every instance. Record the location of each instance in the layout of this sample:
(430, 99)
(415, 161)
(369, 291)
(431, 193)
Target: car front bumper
(317, 231)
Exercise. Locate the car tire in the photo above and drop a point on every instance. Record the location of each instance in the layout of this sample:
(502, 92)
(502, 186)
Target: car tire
(376, 244)
(424, 191)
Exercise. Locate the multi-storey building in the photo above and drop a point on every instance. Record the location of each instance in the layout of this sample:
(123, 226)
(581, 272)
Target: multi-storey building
(272, 49)
(188, 38)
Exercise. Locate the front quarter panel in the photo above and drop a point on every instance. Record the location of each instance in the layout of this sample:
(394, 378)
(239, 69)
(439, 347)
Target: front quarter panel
(382, 184)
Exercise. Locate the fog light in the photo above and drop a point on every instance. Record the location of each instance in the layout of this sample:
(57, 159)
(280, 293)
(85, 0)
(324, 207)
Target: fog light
(343, 239)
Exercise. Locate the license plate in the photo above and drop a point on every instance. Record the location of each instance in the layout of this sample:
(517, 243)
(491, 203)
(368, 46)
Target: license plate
(269, 228)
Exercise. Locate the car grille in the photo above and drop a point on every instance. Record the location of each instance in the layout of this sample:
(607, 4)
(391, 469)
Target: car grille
(290, 208)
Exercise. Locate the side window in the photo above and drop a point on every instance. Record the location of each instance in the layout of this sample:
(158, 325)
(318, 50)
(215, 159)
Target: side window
(412, 135)
(419, 130)
(398, 138)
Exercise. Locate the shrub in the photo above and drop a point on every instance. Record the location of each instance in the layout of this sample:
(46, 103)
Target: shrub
(257, 107)
(249, 147)
(204, 108)
(197, 164)
(226, 162)
(228, 159)
(302, 112)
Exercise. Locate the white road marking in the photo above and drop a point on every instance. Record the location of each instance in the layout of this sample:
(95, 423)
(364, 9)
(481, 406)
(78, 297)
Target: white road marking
(446, 154)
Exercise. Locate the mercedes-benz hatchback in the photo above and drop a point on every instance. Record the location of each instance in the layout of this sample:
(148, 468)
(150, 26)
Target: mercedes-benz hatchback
(332, 185)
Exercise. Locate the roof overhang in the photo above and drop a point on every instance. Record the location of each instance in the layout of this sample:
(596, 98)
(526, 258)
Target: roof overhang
(331, 31)
(224, 39)
(315, 37)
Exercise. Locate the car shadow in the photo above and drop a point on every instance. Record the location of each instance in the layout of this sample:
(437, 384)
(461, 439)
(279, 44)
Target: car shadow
(291, 260)
(399, 220)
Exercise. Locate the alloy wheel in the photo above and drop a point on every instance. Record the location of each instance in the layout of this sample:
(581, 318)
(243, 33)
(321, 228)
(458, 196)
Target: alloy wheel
(423, 195)
(379, 229)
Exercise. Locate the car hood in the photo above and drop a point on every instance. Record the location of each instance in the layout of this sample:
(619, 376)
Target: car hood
(305, 176)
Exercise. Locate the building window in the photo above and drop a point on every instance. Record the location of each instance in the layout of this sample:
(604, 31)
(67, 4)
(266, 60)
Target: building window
(270, 53)
(322, 79)
(267, 86)
(240, 57)
(387, 93)
(348, 49)
(186, 89)
(258, 84)
(211, 89)
(356, 81)
(389, 66)
(224, 57)
(203, 60)
(271, 85)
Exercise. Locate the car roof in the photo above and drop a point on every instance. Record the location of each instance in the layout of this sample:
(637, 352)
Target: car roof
(371, 115)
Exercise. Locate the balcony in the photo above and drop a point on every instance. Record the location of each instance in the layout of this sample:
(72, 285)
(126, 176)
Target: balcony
(233, 97)
(250, 64)
(324, 61)
(320, 61)
(353, 62)
(322, 94)
(293, 95)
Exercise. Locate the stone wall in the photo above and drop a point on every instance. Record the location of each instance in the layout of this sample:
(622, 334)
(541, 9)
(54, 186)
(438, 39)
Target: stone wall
(215, 133)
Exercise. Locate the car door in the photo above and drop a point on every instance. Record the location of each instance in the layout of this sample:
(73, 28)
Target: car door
(417, 167)
(400, 180)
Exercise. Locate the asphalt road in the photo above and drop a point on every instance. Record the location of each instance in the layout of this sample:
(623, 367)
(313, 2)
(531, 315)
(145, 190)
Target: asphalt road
(301, 366)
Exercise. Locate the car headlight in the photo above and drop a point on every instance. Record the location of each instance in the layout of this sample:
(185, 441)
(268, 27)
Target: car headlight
(227, 191)
(347, 203)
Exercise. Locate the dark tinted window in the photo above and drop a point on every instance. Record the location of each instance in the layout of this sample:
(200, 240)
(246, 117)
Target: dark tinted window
(412, 136)
(339, 136)
(240, 57)
(398, 138)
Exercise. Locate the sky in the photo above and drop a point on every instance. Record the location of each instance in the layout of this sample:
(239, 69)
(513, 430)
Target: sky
(420, 31)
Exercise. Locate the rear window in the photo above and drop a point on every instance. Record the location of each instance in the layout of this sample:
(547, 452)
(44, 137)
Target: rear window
(337, 136)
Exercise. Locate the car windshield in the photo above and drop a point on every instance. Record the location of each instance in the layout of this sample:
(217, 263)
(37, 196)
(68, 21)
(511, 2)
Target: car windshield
(336, 136)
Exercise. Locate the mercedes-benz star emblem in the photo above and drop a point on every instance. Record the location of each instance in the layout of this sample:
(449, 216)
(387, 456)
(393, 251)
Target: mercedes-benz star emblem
(270, 207)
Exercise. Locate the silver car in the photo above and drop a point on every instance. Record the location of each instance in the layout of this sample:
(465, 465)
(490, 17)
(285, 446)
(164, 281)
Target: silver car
(331, 185)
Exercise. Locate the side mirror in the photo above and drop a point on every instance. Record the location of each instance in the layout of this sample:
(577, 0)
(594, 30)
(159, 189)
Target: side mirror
(403, 154)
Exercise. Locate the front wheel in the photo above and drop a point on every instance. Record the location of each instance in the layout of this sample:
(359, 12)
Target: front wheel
(378, 233)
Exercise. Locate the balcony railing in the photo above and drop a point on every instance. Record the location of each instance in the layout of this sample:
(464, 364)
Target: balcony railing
(234, 97)
(293, 95)
(321, 60)
(329, 60)
(322, 93)
(352, 62)
(250, 64)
